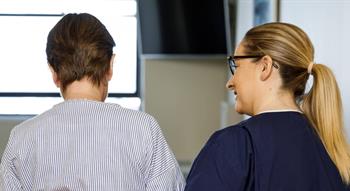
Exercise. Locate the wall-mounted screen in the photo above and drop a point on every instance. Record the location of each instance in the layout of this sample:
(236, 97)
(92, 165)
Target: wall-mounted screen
(183, 27)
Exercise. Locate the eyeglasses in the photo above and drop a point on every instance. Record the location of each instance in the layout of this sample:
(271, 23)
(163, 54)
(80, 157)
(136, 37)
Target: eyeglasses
(232, 64)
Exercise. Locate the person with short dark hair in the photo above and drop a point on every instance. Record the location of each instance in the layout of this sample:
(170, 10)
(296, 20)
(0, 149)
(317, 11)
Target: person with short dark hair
(294, 139)
(84, 143)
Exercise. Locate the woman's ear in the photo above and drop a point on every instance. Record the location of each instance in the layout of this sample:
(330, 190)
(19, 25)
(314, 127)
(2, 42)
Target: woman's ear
(266, 67)
(110, 71)
(55, 78)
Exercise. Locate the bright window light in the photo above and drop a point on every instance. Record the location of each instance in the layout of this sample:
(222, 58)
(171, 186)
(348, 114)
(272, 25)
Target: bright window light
(23, 66)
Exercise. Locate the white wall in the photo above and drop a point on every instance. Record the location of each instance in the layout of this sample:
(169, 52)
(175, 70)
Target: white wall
(327, 22)
(245, 18)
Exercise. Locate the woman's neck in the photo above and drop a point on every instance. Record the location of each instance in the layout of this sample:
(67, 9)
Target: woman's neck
(84, 89)
(278, 101)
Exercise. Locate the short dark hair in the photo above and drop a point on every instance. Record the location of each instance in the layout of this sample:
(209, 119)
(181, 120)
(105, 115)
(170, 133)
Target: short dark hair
(78, 46)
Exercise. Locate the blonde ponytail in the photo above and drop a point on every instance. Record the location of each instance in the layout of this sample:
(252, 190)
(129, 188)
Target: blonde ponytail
(323, 107)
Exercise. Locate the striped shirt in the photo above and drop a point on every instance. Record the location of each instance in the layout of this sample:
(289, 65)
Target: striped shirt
(88, 145)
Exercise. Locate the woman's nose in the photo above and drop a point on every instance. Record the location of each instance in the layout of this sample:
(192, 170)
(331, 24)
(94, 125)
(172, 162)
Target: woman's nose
(229, 84)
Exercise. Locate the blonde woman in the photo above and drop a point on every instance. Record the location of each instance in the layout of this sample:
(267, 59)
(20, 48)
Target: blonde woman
(294, 140)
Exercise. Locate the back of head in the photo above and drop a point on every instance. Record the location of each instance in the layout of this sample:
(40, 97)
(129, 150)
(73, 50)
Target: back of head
(79, 46)
(292, 50)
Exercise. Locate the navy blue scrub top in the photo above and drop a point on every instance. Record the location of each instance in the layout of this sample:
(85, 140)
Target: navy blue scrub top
(273, 151)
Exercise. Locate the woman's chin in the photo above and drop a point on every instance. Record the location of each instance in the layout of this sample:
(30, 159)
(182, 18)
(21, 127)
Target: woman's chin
(238, 108)
(241, 110)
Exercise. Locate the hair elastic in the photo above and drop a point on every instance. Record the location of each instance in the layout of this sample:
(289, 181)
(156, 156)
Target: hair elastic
(309, 68)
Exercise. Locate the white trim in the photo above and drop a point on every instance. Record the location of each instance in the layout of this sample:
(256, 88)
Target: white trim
(280, 110)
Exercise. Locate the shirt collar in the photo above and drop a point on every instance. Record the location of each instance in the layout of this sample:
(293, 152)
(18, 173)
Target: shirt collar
(280, 110)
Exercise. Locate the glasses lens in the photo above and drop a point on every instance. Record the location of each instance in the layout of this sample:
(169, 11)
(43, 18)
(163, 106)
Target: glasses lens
(231, 64)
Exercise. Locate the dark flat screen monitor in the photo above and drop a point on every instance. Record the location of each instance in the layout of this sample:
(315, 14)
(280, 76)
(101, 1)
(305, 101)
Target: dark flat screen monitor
(190, 27)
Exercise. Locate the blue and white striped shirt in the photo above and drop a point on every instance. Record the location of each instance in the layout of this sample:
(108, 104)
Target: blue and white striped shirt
(88, 145)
